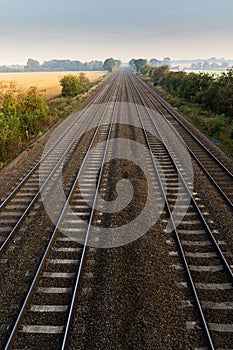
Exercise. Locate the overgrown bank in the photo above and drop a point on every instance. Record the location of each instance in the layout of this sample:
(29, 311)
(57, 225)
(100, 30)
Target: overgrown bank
(25, 114)
(204, 99)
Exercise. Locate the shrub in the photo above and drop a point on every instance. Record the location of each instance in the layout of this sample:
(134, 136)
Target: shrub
(22, 115)
(73, 85)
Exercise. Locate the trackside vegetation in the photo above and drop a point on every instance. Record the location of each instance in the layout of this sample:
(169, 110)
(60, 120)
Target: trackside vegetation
(73, 85)
(205, 99)
(25, 114)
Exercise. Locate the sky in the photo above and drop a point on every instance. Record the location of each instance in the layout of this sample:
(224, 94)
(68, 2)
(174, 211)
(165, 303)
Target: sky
(96, 29)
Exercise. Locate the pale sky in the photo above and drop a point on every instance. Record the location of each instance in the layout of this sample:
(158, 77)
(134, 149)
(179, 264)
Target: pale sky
(96, 29)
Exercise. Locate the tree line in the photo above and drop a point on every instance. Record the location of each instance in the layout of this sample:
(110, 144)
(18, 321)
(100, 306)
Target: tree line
(213, 92)
(206, 99)
(110, 64)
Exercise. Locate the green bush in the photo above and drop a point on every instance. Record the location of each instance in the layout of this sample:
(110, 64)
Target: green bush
(205, 99)
(23, 114)
(73, 85)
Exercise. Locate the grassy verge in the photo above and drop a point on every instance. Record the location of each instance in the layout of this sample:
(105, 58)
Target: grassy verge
(212, 125)
(61, 107)
(58, 109)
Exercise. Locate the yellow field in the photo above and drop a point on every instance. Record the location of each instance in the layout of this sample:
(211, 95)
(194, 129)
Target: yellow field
(48, 82)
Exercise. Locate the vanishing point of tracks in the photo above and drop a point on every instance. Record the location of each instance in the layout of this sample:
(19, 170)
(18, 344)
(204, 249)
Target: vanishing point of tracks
(44, 318)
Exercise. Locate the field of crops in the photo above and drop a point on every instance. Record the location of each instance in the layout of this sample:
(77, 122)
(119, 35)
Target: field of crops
(47, 82)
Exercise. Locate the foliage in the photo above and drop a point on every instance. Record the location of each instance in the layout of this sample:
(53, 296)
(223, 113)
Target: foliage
(111, 64)
(205, 99)
(68, 65)
(85, 82)
(211, 64)
(22, 116)
(138, 64)
(62, 65)
(73, 85)
(32, 65)
(215, 93)
(70, 85)
(155, 62)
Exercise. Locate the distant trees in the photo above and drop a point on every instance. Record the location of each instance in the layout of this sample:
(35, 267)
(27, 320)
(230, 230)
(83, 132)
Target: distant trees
(61, 65)
(209, 64)
(140, 63)
(54, 65)
(68, 65)
(111, 64)
(94, 65)
(137, 64)
(131, 63)
(73, 85)
(117, 63)
(32, 65)
(167, 61)
(155, 62)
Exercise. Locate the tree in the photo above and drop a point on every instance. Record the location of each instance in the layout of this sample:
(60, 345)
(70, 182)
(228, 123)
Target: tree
(95, 65)
(117, 63)
(140, 63)
(206, 65)
(68, 65)
(154, 62)
(132, 63)
(224, 64)
(109, 65)
(167, 61)
(158, 73)
(71, 85)
(84, 82)
(32, 65)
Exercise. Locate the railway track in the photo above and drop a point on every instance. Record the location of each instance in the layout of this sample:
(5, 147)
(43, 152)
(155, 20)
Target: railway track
(18, 203)
(53, 289)
(219, 174)
(45, 318)
(209, 274)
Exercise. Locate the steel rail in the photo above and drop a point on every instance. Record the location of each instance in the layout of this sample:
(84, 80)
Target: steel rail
(36, 195)
(50, 243)
(191, 195)
(154, 94)
(88, 229)
(173, 222)
(211, 155)
(50, 149)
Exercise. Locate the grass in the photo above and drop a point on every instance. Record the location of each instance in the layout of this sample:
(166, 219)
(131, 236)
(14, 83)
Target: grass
(212, 125)
(47, 82)
(59, 106)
